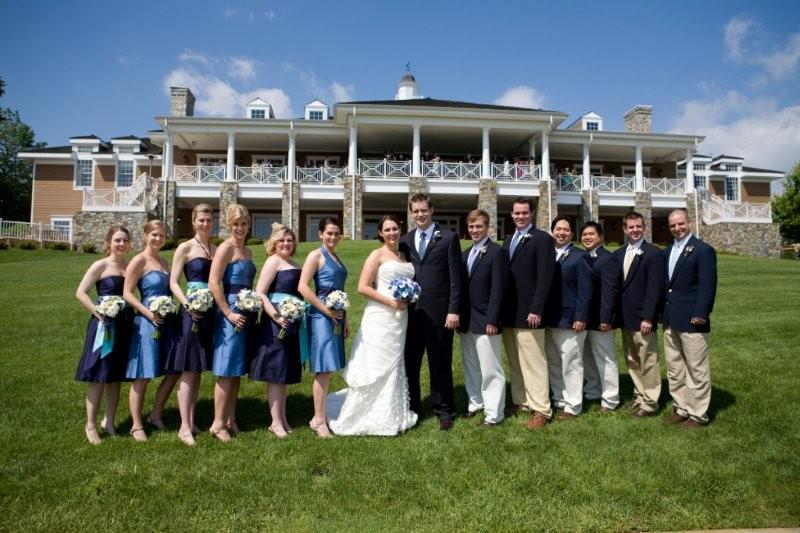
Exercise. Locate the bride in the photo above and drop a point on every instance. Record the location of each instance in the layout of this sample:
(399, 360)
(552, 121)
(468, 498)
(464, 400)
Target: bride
(376, 402)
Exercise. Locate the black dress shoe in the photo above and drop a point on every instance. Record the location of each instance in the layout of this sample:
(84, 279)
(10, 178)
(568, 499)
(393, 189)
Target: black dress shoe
(445, 424)
(470, 414)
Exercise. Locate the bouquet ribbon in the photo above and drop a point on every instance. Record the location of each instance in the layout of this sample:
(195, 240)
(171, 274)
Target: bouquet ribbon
(304, 330)
(104, 338)
(196, 285)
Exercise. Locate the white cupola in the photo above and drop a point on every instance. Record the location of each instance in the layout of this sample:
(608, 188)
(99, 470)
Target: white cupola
(407, 88)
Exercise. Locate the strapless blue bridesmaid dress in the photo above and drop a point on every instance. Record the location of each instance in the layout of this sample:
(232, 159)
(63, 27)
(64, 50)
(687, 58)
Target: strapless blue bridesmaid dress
(193, 351)
(147, 355)
(230, 346)
(326, 347)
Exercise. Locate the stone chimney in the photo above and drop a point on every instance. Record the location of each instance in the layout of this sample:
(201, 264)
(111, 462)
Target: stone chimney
(639, 119)
(181, 102)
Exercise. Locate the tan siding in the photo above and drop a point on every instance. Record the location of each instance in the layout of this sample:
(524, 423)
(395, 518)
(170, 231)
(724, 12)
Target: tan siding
(54, 192)
(756, 192)
(104, 177)
(717, 187)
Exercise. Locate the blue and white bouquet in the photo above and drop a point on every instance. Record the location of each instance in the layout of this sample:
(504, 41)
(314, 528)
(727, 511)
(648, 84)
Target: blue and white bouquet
(292, 309)
(405, 289)
(198, 301)
(107, 307)
(337, 301)
(247, 301)
(162, 306)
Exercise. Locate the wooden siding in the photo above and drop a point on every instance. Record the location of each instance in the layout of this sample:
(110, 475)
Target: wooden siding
(54, 193)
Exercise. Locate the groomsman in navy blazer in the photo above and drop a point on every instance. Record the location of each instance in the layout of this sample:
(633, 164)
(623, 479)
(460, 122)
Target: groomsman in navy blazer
(566, 316)
(600, 371)
(532, 262)
(642, 295)
(691, 277)
(436, 255)
(485, 273)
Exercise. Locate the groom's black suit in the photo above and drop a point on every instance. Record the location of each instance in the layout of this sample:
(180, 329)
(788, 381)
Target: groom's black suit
(438, 273)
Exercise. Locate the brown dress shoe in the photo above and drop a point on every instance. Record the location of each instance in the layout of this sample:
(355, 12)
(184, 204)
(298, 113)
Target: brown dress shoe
(445, 424)
(564, 416)
(604, 410)
(641, 413)
(537, 421)
(513, 409)
(674, 419)
(691, 424)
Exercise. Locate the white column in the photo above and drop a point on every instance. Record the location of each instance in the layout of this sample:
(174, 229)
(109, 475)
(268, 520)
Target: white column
(230, 174)
(291, 163)
(690, 170)
(169, 156)
(587, 174)
(532, 149)
(352, 154)
(416, 165)
(639, 174)
(486, 158)
(545, 155)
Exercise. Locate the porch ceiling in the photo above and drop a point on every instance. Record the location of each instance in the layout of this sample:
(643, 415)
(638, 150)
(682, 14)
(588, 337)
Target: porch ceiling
(260, 141)
(598, 152)
(442, 140)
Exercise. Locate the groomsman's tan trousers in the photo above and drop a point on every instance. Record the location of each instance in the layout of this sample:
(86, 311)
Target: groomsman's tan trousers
(689, 373)
(641, 355)
(527, 361)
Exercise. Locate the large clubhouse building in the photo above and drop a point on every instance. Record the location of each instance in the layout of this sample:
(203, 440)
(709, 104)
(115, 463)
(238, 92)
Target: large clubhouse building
(364, 159)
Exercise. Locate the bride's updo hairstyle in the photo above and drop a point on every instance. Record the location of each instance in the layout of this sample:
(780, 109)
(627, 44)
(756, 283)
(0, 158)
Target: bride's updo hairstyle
(278, 233)
(384, 219)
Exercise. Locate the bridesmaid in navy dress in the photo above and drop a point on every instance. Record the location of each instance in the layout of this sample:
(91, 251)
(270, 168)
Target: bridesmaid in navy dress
(326, 352)
(231, 270)
(147, 271)
(277, 361)
(192, 351)
(101, 368)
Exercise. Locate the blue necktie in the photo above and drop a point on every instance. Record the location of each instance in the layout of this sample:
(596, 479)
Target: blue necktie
(514, 242)
(421, 249)
(471, 258)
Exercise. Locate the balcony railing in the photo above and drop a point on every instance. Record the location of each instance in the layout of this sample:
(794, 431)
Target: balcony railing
(443, 170)
(321, 176)
(569, 182)
(138, 197)
(200, 173)
(261, 174)
(614, 184)
(516, 172)
(665, 185)
(715, 210)
(383, 168)
(32, 231)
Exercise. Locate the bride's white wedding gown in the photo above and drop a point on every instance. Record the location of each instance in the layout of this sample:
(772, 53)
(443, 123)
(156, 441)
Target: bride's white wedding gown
(376, 402)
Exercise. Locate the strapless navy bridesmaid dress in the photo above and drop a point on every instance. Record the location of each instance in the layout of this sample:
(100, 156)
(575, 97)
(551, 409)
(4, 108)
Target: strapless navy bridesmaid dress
(193, 351)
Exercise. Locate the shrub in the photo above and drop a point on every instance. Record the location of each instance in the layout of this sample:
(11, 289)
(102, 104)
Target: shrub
(27, 245)
(57, 246)
(169, 244)
(3, 245)
(216, 241)
(88, 249)
(181, 241)
(254, 242)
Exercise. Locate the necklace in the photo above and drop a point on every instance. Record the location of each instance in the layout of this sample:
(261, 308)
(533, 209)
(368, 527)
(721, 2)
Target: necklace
(207, 252)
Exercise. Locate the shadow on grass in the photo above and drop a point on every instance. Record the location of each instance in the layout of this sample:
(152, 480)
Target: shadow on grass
(721, 399)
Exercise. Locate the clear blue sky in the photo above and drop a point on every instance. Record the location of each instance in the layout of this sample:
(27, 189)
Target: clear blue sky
(729, 70)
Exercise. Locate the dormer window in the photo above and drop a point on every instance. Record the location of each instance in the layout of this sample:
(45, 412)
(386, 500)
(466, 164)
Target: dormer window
(258, 109)
(315, 115)
(592, 126)
(85, 148)
(730, 168)
(126, 149)
(257, 113)
(316, 110)
(699, 166)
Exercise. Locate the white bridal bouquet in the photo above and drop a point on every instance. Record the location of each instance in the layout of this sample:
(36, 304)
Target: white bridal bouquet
(292, 309)
(337, 301)
(247, 301)
(162, 306)
(199, 301)
(405, 289)
(109, 306)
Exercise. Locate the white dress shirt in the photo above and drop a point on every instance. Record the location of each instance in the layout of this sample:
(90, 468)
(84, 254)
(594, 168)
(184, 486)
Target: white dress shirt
(675, 254)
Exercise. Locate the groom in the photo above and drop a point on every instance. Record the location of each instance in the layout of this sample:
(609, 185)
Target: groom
(436, 256)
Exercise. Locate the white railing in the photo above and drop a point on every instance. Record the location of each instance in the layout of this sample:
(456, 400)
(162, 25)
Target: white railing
(138, 197)
(516, 172)
(715, 210)
(451, 171)
(261, 174)
(383, 168)
(321, 176)
(199, 173)
(569, 182)
(613, 184)
(32, 231)
(665, 185)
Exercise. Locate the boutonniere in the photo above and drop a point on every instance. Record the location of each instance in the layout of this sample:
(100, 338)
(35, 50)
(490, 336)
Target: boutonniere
(437, 235)
(525, 237)
(688, 250)
(639, 252)
(481, 251)
(564, 256)
(593, 254)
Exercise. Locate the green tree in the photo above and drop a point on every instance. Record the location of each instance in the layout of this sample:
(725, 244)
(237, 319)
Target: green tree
(16, 176)
(786, 207)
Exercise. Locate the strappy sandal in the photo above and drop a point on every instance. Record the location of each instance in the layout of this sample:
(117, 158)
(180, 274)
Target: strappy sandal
(321, 429)
(220, 434)
(138, 434)
(156, 423)
(187, 438)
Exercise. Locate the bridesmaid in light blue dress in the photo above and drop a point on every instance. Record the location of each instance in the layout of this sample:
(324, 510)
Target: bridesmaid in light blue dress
(326, 352)
(232, 270)
(149, 272)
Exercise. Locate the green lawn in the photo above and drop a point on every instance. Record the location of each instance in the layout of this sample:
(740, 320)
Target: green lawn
(596, 473)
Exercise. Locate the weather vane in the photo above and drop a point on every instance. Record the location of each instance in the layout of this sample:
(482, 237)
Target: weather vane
(408, 67)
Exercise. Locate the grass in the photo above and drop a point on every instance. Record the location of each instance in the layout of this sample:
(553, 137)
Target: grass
(596, 473)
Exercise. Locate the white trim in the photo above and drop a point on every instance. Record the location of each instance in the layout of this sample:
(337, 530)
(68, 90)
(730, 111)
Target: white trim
(62, 218)
(33, 189)
(116, 173)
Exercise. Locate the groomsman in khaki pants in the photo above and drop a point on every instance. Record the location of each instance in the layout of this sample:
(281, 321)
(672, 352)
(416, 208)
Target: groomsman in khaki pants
(532, 259)
(642, 293)
(485, 273)
(691, 267)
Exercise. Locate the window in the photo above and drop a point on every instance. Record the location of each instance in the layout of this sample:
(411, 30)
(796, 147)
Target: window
(258, 113)
(700, 182)
(63, 226)
(126, 149)
(592, 126)
(124, 173)
(315, 115)
(83, 173)
(730, 168)
(699, 166)
(731, 189)
(85, 148)
(262, 224)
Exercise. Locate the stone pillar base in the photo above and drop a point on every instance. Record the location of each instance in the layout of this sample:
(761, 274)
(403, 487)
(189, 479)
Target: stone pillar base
(416, 184)
(759, 240)
(290, 207)
(228, 194)
(90, 227)
(487, 200)
(589, 210)
(352, 212)
(547, 209)
(643, 204)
